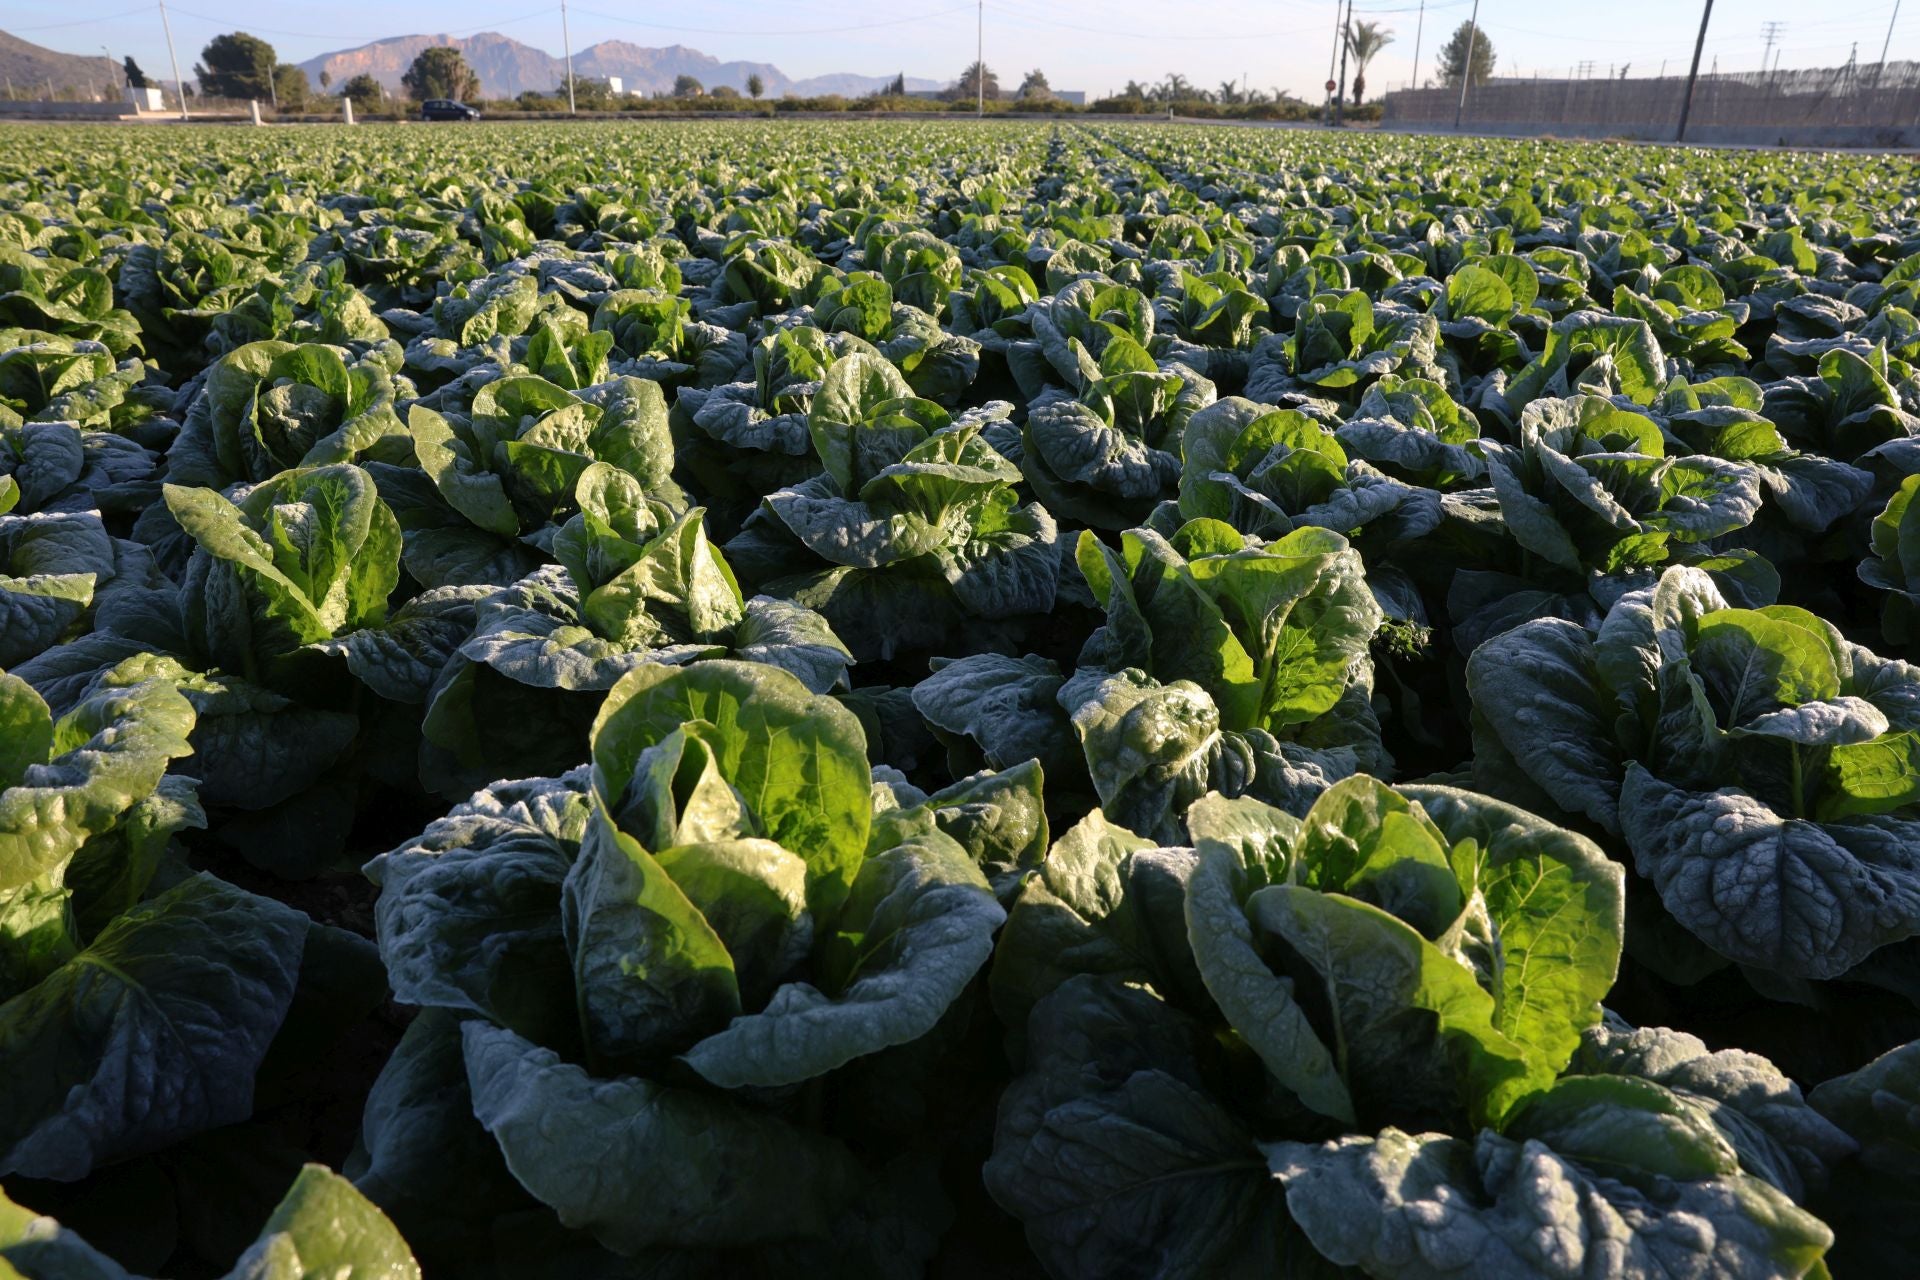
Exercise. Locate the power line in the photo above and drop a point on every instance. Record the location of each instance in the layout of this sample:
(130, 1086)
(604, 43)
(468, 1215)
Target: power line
(336, 35)
(1770, 32)
(81, 22)
(1156, 36)
(1414, 8)
(1582, 37)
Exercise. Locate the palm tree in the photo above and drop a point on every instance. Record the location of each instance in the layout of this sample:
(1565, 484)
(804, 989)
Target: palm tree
(1365, 40)
(1175, 87)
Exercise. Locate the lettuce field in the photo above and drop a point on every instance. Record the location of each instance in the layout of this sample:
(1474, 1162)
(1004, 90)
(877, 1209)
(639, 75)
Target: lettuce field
(889, 699)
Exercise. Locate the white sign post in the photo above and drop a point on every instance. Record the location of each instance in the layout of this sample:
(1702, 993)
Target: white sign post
(348, 104)
(254, 104)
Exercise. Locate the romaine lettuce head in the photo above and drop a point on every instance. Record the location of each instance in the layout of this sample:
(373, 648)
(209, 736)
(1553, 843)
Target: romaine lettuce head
(709, 920)
(322, 1225)
(1269, 471)
(1730, 749)
(270, 406)
(1293, 998)
(1106, 457)
(1590, 489)
(304, 556)
(923, 545)
(636, 584)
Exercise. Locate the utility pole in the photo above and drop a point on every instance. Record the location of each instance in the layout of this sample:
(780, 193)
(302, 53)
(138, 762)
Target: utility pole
(1333, 56)
(1340, 96)
(1466, 72)
(1882, 65)
(1770, 32)
(113, 69)
(179, 85)
(1693, 74)
(566, 42)
(1419, 29)
(980, 60)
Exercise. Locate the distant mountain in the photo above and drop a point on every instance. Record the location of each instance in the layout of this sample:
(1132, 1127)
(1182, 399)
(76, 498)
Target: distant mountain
(644, 70)
(28, 68)
(848, 85)
(507, 67)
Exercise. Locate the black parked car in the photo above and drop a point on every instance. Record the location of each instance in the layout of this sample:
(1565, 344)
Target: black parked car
(447, 109)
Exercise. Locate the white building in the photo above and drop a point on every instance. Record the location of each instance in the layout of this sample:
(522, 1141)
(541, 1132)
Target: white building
(616, 85)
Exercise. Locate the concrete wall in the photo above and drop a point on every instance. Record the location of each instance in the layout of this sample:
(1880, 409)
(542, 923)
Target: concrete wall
(1873, 137)
(1832, 107)
(65, 110)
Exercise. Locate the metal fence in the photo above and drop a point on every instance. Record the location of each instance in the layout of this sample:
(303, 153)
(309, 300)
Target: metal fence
(1879, 104)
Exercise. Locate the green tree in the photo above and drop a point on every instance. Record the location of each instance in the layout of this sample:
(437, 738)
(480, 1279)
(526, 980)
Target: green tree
(587, 92)
(1174, 88)
(1365, 40)
(366, 93)
(290, 87)
(326, 79)
(755, 85)
(136, 78)
(966, 88)
(686, 86)
(441, 72)
(897, 88)
(236, 65)
(1135, 89)
(1453, 55)
(1034, 88)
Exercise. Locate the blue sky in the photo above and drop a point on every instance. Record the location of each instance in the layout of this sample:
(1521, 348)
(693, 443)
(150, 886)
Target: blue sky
(1095, 45)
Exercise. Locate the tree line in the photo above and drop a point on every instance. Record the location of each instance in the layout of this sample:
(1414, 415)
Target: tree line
(240, 65)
